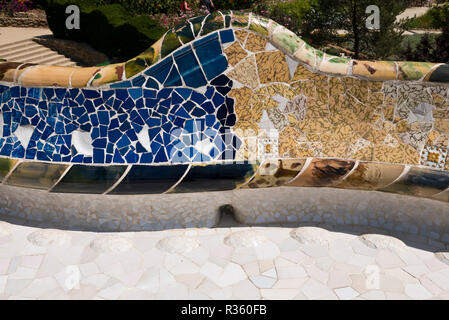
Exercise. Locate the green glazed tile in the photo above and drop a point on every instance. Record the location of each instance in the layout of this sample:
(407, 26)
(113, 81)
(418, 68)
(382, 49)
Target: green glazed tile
(239, 20)
(212, 23)
(287, 40)
(339, 60)
(139, 63)
(196, 24)
(6, 165)
(217, 177)
(420, 182)
(259, 25)
(184, 33)
(36, 175)
(89, 179)
(413, 70)
(170, 44)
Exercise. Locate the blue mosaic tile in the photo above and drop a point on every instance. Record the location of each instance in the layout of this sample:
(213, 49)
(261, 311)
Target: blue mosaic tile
(208, 50)
(174, 118)
(189, 68)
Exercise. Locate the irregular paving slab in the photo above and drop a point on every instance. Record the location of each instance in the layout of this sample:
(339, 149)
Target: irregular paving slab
(175, 263)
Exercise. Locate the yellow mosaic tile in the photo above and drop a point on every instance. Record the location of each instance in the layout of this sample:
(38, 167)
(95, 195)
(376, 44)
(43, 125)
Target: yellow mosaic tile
(301, 73)
(376, 99)
(307, 150)
(336, 87)
(378, 70)
(388, 112)
(107, 74)
(365, 154)
(383, 153)
(272, 67)
(442, 142)
(316, 125)
(411, 156)
(316, 109)
(235, 53)
(375, 86)
(334, 148)
(255, 43)
(431, 138)
(442, 125)
(288, 143)
(388, 126)
(241, 35)
(309, 89)
(245, 72)
(401, 126)
(344, 132)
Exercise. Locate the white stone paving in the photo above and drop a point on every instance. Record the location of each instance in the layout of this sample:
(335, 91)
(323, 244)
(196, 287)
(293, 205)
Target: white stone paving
(216, 263)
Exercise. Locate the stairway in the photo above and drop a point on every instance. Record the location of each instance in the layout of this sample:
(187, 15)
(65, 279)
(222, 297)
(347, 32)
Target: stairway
(32, 52)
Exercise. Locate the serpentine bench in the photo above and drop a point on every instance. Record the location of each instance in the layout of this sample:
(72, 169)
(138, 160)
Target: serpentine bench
(226, 101)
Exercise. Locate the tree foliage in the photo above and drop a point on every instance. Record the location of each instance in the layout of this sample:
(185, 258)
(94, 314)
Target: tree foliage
(326, 17)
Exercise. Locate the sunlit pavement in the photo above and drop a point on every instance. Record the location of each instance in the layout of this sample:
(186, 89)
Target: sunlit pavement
(219, 263)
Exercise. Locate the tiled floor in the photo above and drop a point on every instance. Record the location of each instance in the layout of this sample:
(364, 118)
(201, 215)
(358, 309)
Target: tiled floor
(220, 263)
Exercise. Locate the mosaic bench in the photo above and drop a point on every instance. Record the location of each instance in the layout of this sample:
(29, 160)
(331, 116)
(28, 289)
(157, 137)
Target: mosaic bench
(226, 101)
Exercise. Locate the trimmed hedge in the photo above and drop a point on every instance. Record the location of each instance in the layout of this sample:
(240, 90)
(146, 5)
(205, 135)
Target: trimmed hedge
(109, 29)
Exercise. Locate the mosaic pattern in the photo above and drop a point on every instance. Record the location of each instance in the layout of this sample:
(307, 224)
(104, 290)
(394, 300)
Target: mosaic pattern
(226, 101)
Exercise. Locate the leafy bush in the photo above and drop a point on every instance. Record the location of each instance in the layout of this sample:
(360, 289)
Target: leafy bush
(435, 18)
(233, 4)
(427, 47)
(11, 6)
(146, 6)
(110, 29)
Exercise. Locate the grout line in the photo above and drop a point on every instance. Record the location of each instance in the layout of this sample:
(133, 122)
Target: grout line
(350, 172)
(16, 71)
(403, 173)
(304, 168)
(180, 180)
(11, 171)
(61, 177)
(125, 173)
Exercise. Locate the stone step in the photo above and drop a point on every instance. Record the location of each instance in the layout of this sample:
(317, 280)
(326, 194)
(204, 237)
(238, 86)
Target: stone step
(28, 51)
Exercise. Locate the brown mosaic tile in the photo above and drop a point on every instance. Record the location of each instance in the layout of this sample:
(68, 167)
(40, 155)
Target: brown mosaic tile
(323, 173)
(431, 138)
(335, 148)
(272, 67)
(255, 43)
(241, 35)
(316, 109)
(365, 154)
(289, 143)
(235, 53)
(301, 73)
(245, 72)
(275, 173)
(371, 176)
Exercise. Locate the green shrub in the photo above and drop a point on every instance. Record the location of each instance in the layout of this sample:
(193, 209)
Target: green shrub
(435, 18)
(146, 6)
(110, 29)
